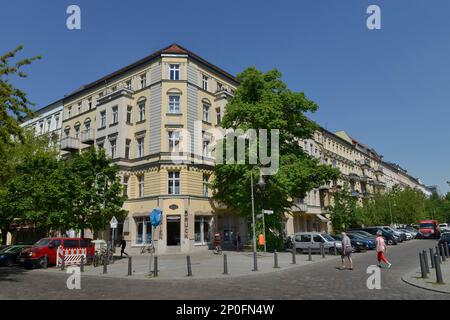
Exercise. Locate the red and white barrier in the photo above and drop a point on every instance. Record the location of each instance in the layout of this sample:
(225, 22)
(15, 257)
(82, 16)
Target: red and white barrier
(71, 256)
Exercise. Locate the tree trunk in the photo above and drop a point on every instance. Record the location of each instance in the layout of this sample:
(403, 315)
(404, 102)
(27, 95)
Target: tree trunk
(4, 235)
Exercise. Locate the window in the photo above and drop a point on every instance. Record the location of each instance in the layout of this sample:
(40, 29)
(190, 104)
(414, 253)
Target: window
(127, 148)
(141, 107)
(77, 131)
(113, 148)
(140, 147)
(174, 182)
(49, 124)
(114, 88)
(115, 115)
(174, 72)
(143, 80)
(102, 119)
(90, 103)
(143, 230)
(41, 127)
(206, 113)
(129, 114)
(205, 82)
(174, 104)
(219, 86)
(101, 145)
(57, 121)
(125, 186)
(218, 116)
(141, 186)
(206, 151)
(128, 84)
(71, 243)
(174, 141)
(202, 234)
(205, 185)
(79, 107)
(69, 112)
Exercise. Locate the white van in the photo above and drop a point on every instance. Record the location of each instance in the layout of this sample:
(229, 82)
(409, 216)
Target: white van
(304, 240)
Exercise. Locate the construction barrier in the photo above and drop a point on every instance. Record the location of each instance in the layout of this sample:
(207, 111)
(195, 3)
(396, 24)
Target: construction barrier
(72, 256)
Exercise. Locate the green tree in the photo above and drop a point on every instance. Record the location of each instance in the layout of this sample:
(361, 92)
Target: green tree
(344, 211)
(263, 101)
(14, 104)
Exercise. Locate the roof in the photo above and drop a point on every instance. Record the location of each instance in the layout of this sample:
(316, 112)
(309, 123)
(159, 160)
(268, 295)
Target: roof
(171, 49)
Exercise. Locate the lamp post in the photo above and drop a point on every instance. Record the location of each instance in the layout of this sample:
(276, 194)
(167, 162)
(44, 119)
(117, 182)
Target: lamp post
(261, 184)
(390, 209)
(255, 263)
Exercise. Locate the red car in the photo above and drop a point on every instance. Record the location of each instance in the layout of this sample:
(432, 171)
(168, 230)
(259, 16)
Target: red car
(47, 247)
(429, 229)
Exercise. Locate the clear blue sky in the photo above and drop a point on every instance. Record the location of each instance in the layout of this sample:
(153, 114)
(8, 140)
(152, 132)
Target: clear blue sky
(388, 88)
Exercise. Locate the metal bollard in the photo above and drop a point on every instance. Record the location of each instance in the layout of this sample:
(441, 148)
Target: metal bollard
(63, 262)
(425, 260)
(322, 248)
(130, 268)
(155, 267)
(293, 256)
(255, 262)
(225, 264)
(422, 266)
(105, 264)
(432, 258)
(309, 254)
(444, 258)
(438, 270)
(275, 259)
(335, 249)
(150, 262)
(438, 255)
(446, 249)
(189, 268)
(82, 264)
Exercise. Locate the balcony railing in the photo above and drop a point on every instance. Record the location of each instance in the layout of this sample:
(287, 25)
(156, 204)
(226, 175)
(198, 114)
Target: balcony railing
(379, 170)
(364, 163)
(87, 136)
(70, 144)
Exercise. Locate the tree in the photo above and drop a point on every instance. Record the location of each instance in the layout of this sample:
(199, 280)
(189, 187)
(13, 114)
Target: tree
(263, 101)
(344, 211)
(14, 104)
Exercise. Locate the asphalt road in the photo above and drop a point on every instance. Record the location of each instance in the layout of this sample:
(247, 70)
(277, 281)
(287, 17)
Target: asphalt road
(318, 281)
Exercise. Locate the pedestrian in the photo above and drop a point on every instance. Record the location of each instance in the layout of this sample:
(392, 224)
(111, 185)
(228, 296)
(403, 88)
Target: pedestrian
(381, 250)
(123, 244)
(346, 251)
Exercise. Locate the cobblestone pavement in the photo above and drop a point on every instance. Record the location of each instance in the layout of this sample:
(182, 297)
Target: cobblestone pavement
(316, 281)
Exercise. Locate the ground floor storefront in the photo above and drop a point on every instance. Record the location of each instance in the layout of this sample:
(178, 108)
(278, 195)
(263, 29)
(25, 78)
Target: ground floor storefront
(307, 222)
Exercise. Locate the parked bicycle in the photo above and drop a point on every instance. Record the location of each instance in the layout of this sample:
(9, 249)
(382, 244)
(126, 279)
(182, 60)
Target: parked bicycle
(100, 256)
(148, 249)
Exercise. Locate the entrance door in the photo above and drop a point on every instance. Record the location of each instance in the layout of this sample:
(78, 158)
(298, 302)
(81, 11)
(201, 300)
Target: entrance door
(173, 230)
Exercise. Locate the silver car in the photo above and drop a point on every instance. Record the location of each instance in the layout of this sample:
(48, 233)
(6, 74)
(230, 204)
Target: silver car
(304, 240)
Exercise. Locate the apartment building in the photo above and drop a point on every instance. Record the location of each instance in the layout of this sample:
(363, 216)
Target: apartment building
(136, 114)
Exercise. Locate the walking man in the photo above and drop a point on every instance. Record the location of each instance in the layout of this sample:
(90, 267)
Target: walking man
(346, 251)
(381, 250)
(123, 244)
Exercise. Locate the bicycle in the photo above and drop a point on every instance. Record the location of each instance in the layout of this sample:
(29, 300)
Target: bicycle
(148, 249)
(100, 255)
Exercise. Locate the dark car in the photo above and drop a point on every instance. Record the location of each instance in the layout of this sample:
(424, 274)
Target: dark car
(445, 237)
(363, 234)
(390, 238)
(10, 255)
(358, 245)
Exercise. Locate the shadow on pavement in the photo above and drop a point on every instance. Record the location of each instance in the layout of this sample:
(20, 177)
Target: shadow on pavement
(10, 273)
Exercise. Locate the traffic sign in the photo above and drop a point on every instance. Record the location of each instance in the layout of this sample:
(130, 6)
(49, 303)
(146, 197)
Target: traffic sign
(113, 223)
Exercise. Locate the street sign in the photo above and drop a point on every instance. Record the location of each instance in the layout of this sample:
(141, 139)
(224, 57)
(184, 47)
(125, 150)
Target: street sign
(268, 212)
(113, 223)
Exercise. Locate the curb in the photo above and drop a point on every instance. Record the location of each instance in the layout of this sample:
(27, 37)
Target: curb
(422, 287)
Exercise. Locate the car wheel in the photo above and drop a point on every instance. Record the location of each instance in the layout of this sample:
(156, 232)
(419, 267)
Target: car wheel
(9, 262)
(390, 242)
(42, 262)
(331, 250)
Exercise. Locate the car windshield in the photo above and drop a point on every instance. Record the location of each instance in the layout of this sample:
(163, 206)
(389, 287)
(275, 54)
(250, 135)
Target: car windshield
(327, 237)
(42, 243)
(426, 226)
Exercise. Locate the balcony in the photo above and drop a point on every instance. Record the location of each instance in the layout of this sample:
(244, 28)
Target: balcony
(70, 144)
(353, 176)
(379, 170)
(365, 163)
(114, 93)
(87, 136)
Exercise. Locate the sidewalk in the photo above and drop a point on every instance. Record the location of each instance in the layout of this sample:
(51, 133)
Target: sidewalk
(414, 278)
(205, 265)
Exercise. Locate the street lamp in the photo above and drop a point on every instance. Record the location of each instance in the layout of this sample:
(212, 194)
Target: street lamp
(255, 263)
(261, 184)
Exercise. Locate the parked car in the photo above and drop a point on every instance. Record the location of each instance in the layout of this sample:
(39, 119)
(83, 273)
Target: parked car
(391, 239)
(429, 229)
(399, 234)
(445, 237)
(409, 234)
(10, 254)
(362, 233)
(46, 248)
(304, 240)
(444, 227)
(359, 243)
(404, 234)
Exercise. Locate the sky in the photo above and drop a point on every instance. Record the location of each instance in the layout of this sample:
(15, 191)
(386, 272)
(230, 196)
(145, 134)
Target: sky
(388, 88)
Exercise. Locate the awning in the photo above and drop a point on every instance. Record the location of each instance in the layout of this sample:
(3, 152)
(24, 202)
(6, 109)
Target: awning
(322, 218)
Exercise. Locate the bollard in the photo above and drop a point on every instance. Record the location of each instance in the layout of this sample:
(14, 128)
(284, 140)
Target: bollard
(82, 264)
(438, 255)
(155, 267)
(444, 258)
(309, 254)
(335, 249)
(105, 264)
(293, 255)
(150, 261)
(446, 249)
(425, 260)
(322, 248)
(255, 262)
(225, 264)
(63, 262)
(130, 268)
(432, 258)
(275, 259)
(422, 266)
(45, 266)
(189, 268)
(438, 269)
